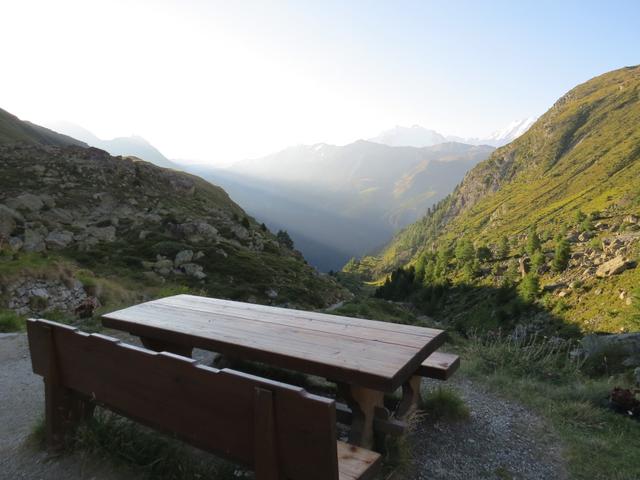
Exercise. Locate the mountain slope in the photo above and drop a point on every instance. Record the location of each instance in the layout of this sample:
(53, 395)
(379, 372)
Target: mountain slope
(134, 145)
(14, 130)
(338, 202)
(583, 155)
(78, 224)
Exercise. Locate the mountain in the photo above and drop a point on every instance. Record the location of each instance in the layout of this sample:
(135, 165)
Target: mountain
(134, 145)
(14, 130)
(337, 202)
(417, 136)
(81, 229)
(574, 174)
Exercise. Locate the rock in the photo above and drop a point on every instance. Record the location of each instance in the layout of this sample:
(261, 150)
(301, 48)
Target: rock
(584, 236)
(598, 291)
(15, 244)
(143, 234)
(163, 266)
(600, 226)
(552, 287)
(634, 219)
(626, 346)
(103, 234)
(196, 232)
(623, 295)
(612, 267)
(572, 236)
(221, 252)
(193, 270)
(33, 241)
(26, 202)
(564, 293)
(198, 256)
(8, 221)
(271, 293)
(182, 257)
(58, 240)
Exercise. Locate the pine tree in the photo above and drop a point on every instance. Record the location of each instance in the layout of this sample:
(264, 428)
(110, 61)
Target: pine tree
(529, 288)
(533, 241)
(503, 247)
(284, 239)
(464, 251)
(483, 253)
(562, 255)
(537, 260)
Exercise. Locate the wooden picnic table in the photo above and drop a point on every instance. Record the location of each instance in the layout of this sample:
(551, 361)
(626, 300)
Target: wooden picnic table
(366, 357)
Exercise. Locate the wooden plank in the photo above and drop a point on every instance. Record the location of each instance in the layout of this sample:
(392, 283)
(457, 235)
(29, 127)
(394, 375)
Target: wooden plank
(439, 365)
(211, 409)
(266, 455)
(343, 326)
(345, 350)
(214, 304)
(357, 463)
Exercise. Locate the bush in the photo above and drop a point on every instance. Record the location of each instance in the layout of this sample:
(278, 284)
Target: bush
(11, 322)
(168, 248)
(444, 404)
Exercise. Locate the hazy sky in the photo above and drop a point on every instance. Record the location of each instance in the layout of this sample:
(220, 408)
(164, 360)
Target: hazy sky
(220, 81)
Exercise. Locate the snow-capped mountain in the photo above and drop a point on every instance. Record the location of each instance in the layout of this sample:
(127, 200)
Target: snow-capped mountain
(417, 136)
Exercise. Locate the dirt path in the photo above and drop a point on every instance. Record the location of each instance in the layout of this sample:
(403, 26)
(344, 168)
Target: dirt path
(22, 403)
(501, 441)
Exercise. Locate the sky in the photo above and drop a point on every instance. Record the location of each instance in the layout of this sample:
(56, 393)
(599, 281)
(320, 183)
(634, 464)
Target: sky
(219, 81)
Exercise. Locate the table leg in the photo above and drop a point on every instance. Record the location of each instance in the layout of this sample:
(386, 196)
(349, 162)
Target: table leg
(160, 346)
(411, 396)
(363, 403)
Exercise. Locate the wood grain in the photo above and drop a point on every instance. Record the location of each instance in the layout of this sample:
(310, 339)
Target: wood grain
(372, 354)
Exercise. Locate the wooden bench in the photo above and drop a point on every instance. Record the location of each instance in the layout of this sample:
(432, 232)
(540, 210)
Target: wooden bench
(280, 431)
(439, 365)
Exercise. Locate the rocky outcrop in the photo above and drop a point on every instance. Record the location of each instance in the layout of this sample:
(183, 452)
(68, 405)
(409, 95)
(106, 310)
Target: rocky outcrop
(30, 296)
(626, 347)
(613, 267)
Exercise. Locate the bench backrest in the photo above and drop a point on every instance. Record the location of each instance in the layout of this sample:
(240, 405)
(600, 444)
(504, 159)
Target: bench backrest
(245, 418)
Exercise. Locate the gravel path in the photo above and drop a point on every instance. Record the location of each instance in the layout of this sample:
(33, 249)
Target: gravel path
(502, 440)
(21, 405)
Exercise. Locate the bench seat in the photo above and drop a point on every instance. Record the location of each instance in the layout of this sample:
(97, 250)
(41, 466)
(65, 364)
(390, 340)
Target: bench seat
(356, 462)
(439, 365)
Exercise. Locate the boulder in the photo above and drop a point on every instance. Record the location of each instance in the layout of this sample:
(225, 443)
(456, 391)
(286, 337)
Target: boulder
(26, 202)
(634, 219)
(193, 270)
(196, 232)
(613, 267)
(182, 257)
(271, 293)
(163, 266)
(58, 240)
(103, 234)
(626, 346)
(33, 241)
(584, 236)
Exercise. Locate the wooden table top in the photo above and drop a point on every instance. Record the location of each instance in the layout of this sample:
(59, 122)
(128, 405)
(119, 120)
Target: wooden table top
(368, 353)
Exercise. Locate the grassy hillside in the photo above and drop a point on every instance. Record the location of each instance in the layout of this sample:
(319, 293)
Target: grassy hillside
(14, 130)
(80, 229)
(580, 159)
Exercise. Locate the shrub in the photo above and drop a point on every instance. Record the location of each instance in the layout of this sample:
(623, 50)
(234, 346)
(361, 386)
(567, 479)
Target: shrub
(11, 321)
(444, 404)
(562, 254)
(529, 288)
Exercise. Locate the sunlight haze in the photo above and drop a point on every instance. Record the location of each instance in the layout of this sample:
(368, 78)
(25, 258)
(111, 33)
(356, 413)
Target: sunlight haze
(216, 82)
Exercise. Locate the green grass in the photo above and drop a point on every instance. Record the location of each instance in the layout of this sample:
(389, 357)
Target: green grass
(11, 322)
(444, 404)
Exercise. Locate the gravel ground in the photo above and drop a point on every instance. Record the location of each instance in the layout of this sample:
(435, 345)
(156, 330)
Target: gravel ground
(502, 440)
(22, 404)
